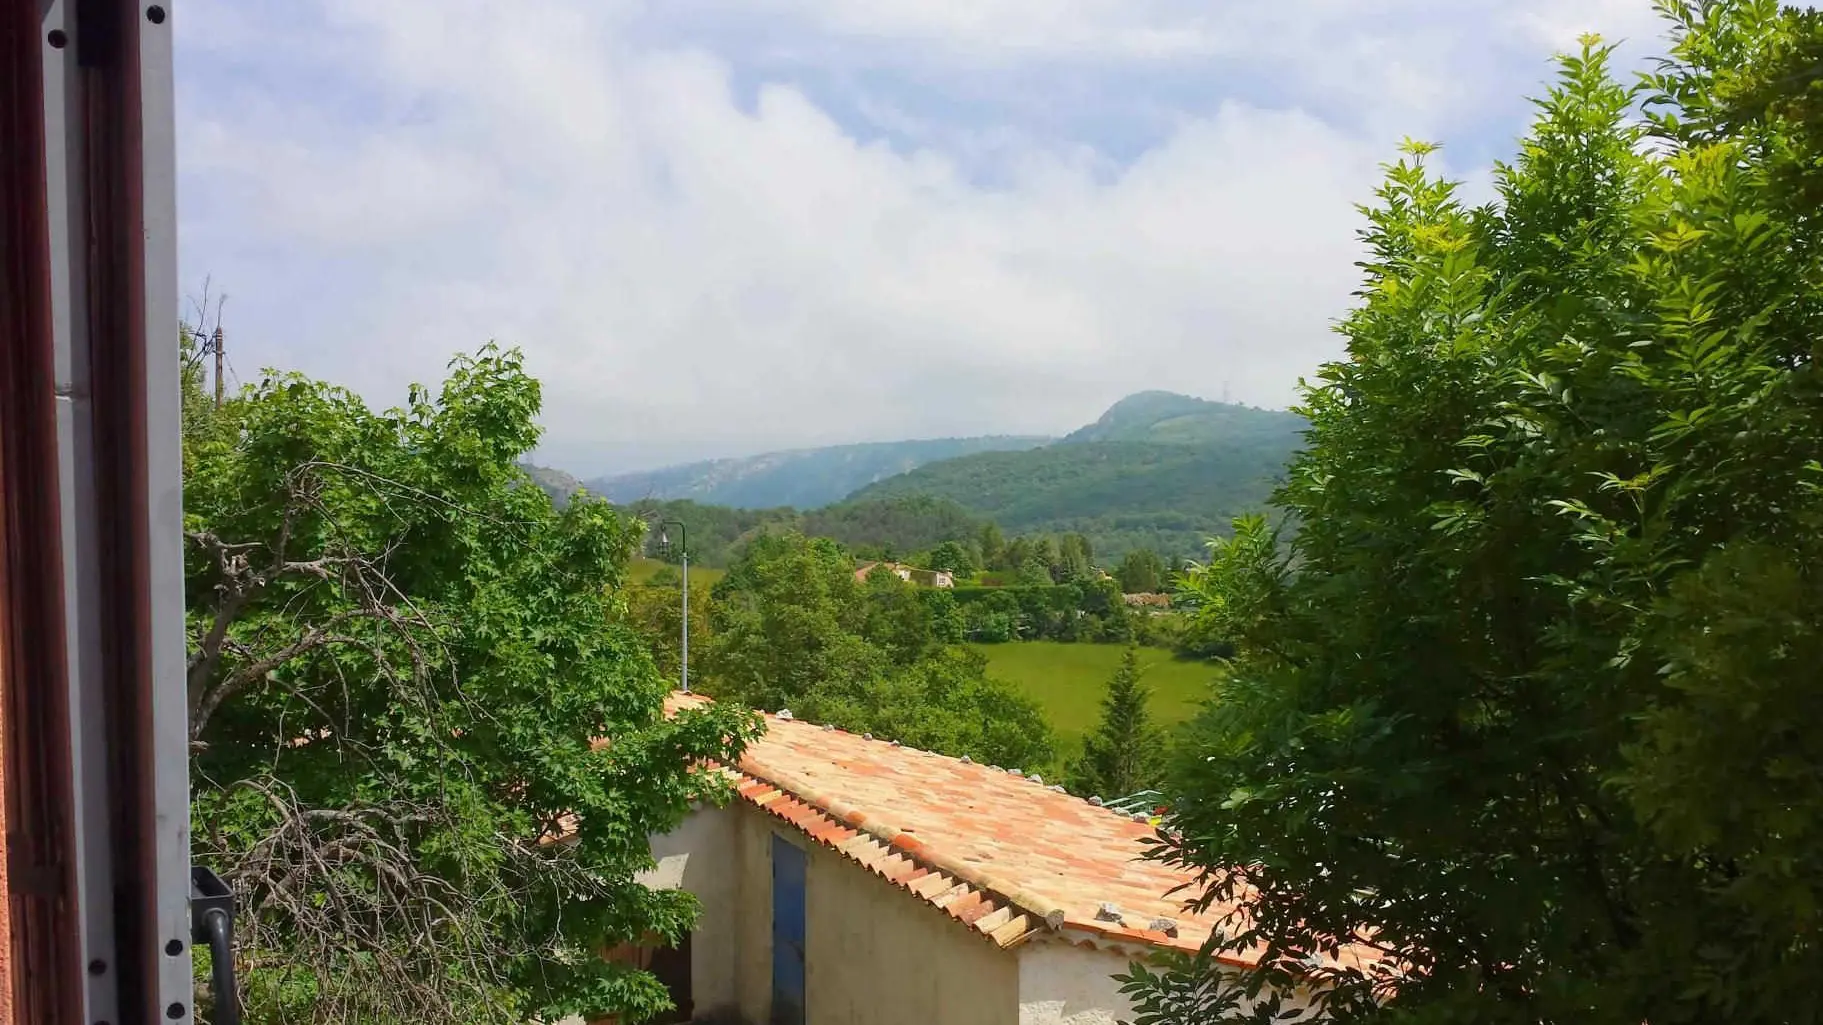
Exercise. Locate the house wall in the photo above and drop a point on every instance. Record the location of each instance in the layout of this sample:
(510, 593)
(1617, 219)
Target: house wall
(1061, 983)
(1064, 983)
(873, 953)
(753, 914)
(707, 840)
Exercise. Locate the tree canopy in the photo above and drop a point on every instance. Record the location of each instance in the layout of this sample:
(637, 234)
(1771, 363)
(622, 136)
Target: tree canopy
(1528, 703)
(405, 685)
(1141, 572)
(795, 629)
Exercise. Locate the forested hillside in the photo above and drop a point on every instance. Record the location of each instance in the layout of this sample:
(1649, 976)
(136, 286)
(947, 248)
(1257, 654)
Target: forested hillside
(1122, 495)
(803, 478)
(1158, 470)
(886, 526)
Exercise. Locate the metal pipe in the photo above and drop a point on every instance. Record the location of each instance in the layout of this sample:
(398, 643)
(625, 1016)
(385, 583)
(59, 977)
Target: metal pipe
(221, 969)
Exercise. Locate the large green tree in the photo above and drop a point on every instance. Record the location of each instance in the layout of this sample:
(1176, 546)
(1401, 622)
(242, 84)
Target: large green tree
(787, 623)
(950, 557)
(795, 629)
(1141, 572)
(405, 685)
(1073, 559)
(1529, 703)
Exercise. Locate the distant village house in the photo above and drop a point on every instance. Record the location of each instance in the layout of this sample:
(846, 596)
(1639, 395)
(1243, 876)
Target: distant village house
(909, 574)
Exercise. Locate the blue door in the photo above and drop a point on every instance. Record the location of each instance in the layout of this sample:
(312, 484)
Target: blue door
(787, 933)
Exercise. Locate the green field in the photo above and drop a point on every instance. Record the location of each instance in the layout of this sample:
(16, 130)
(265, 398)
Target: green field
(644, 569)
(1069, 680)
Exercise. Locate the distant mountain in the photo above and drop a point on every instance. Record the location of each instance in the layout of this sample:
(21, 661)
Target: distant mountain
(559, 485)
(802, 478)
(1170, 419)
(1158, 470)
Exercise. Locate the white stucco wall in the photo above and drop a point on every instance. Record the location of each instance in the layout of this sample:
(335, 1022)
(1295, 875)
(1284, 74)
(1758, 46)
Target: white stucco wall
(876, 954)
(873, 952)
(706, 841)
(1061, 983)
(1064, 983)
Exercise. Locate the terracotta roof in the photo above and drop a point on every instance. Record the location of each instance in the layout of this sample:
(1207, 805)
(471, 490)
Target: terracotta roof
(969, 837)
(893, 859)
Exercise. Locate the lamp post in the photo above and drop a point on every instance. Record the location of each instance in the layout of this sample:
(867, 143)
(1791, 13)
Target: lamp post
(683, 548)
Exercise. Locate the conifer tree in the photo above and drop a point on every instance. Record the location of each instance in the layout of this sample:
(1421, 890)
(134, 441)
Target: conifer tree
(1125, 752)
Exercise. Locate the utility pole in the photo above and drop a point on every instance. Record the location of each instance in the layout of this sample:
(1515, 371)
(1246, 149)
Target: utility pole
(219, 387)
(683, 546)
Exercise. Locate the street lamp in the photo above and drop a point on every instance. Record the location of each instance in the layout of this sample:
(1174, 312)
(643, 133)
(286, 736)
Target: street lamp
(683, 548)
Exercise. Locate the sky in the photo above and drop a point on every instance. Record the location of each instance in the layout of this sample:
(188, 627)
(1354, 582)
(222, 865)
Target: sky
(721, 227)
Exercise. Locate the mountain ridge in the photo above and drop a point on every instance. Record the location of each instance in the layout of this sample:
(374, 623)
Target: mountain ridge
(1157, 470)
(1168, 418)
(800, 478)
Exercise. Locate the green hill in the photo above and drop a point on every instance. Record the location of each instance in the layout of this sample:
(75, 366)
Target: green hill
(1159, 471)
(902, 523)
(1171, 419)
(713, 531)
(802, 478)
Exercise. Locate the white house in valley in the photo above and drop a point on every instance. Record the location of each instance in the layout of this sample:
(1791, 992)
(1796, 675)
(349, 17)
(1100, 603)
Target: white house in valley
(909, 574)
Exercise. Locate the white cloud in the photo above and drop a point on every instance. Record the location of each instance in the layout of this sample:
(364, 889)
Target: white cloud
(695, 270)
(1559, 24)
(1147, 29)
(1130, 28)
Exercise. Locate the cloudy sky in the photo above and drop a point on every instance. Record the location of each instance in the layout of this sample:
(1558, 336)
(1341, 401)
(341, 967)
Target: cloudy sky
(718, 227)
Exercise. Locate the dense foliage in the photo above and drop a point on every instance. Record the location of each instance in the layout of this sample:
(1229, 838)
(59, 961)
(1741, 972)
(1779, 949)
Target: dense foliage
(1126, 752)
(1088, 611)
(1142, 572)
(1530, 706)
(715, 532)
(893, 528)
(654, 608)
(794, 628)
(403, 677)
